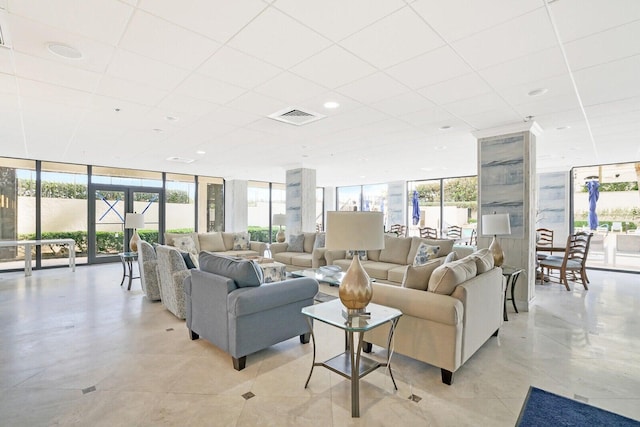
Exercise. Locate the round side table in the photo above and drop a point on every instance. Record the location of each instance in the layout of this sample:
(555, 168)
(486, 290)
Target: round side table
(511, 274)
(127, 259)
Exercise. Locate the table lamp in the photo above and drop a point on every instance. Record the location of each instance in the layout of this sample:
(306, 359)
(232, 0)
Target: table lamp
(134, 221)
(280, 219)
(357, 231)
(496, 224)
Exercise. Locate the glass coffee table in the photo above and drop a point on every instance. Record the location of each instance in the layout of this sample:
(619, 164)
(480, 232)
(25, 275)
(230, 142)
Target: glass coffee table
(331, 278)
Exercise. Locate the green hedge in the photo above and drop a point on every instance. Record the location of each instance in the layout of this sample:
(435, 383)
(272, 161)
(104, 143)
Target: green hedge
(626, 226)
(261, 234)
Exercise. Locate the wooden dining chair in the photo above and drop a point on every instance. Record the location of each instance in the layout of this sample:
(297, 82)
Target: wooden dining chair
(399, 229)
(544, 239)
(573, 261)
(454, 232)
(428, 233)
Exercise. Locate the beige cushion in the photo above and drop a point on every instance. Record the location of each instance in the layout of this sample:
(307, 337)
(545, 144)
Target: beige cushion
(396, 274)
(446, 246)
(396, 250)
(418, 277)
(374, 255)
(483, 259)
(453, 256)
(378, 270)
(228, 240)
(445, 278)
(168, 238)
(309, 240)
(211, 242)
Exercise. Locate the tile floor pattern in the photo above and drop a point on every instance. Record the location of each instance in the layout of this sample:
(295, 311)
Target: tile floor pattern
(77, 349)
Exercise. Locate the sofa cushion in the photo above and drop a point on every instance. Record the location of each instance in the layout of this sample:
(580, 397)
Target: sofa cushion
(378, 270)
(296, 243)
(445, 278)
(170, 237)
(211, 242)
(185, 244)
(417, 277)
(320, 241)
(446, 246)
(396, 274)
(301, 260)
(363, 255)
(285, 257)
(396, 250)
(227, 238)
(241, 241)
(484, 260)
(374, 255)
(425, 253)
(344, 264)
(453, 256)
(309, 241)
(244, 272)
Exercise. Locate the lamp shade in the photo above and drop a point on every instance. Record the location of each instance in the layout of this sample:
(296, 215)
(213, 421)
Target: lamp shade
(133, 220)
(279, 219)
(496, 224)
(355, 230)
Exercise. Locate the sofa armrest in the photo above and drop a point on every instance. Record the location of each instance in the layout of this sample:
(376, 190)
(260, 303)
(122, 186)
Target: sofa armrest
(259, 247)
(317, 257)
(244, 301)
(331, 256)
(276, 248)
(421, 304)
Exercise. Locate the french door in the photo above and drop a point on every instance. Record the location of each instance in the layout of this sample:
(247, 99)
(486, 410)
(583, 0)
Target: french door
(107, 234)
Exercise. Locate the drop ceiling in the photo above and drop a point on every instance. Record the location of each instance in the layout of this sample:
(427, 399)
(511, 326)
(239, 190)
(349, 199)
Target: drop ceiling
(414, 79)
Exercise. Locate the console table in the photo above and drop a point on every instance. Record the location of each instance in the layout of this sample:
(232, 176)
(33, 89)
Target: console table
(351, 364)
(29, 243)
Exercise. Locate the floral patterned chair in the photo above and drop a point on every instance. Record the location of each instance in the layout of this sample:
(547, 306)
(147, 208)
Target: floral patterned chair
(172, 270)
(148, 266)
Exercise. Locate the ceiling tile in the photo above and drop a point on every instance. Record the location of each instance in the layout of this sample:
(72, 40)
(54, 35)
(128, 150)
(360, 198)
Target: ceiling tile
(594, 16)
(54, 94)
(373, 88)
(258, 104)
(101, 20)
(430, 68)
(208, 89)
(278, 39)
(493, 118)
(232, 66)
(337, 19)
(403, 104)
(158, 39)
(455, 19)
(548, 105)
(429, 116)
(333, 67)
(52, 72)
(394, 39)
(530, 68)
(609, 82)
(290, 89)
(6, 62)
(463, 87)
(556, 86)
(521, 36)
(131, 66)
(8, 84)
(130, 91)
(217, 19)
(604, 47)
(177, 103)
(477, 104)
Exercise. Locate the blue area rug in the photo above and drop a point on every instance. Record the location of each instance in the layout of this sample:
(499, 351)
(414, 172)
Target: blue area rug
(542, 408)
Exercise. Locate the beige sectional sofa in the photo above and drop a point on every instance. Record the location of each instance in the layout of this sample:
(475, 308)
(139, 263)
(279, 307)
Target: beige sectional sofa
(449, 311)
(296, 256)
(234, 244)
(389, 264)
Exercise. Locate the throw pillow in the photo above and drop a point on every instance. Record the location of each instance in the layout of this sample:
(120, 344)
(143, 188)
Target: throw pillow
(185, 244)
(240, 241)
(296, 243)
(445, 278)
(189, 259)
(418, 277)
(484, 260)
(244, 272)
(211, 242)
(425, 253)
(395, 250)
(453, 256)
(363, 255)
(321, 238)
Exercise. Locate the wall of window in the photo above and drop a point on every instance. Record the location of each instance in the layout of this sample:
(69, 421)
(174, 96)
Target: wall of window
(180, 202)
(372, 197)
(319, 209)
(349, 198)
(264, 199)
(210, 204)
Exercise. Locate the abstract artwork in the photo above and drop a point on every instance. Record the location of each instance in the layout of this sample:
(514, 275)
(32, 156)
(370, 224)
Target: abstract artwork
(502, 179)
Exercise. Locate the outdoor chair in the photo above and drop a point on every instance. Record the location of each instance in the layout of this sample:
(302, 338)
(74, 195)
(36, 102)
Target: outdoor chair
(573, 261)
(399, 229)
(454, 232)
(428, 233)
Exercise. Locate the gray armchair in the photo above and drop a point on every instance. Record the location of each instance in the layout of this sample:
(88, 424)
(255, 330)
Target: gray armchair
(148, 266)
(227, 305)
(172, 271)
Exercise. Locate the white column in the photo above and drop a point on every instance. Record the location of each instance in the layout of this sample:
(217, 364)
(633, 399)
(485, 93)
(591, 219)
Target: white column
(235, 205)
(301, 201)
(507, 184)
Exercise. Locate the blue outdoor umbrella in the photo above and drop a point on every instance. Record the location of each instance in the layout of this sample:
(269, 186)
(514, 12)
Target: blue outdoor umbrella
(594, 194)
(416, 208)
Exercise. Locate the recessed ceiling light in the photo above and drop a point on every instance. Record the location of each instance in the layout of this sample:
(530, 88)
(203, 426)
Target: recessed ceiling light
(64, 50)
(331, 104)
(201, 152)
(158, 130)
(538, 92)
(172, 118)
(563, 127)
(440, 147)
(180, 159)
(445, 127)
(426, 169)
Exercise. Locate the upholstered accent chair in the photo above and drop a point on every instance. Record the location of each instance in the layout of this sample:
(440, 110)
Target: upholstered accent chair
(148, 266)
(172, 270)
(228, 305)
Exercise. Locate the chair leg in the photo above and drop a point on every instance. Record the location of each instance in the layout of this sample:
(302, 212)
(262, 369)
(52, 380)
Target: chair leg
(563, 276)
(304, 338)
(239, 363)
(447, 376)
(193, 335)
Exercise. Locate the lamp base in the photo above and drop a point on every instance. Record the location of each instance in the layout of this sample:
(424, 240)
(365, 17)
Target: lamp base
(280, 237)
(497, 252)
(133, 243)
(355, 290)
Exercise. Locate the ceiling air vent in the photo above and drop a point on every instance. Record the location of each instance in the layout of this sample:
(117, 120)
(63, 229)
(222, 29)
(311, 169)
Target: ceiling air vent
(5, 40)
(296, 116)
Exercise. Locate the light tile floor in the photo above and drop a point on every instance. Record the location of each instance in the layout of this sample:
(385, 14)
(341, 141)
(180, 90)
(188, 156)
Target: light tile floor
(77, 349)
